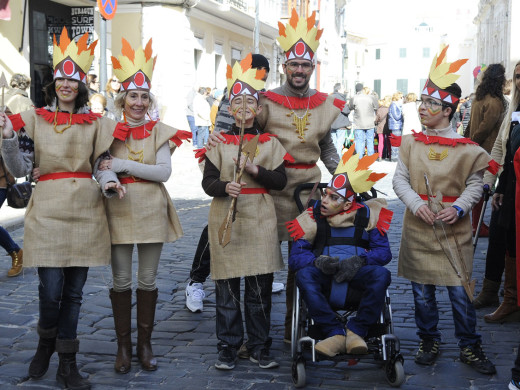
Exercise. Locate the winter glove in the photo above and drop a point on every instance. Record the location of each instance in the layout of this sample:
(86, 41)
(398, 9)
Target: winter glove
(326, 264)
(348, 268)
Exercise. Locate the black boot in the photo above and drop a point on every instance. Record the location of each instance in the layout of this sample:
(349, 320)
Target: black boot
(46, 347)
(68, 374)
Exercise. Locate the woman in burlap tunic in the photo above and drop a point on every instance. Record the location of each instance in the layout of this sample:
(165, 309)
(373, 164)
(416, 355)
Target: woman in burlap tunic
(66, 229)
(140, 156)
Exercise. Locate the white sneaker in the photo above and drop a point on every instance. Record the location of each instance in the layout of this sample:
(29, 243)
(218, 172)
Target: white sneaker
(194, 296)
(277, 287)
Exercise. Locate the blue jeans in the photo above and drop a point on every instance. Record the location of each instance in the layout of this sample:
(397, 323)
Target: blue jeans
(338, 138)
(427, 314)
(314, 287)
(191, 122)
(362, 138)
(61, 293)
(202, 135)
(395, 149)
(6, 241)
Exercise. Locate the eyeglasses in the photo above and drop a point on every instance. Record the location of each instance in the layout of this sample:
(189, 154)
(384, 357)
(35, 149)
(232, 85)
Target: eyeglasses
(293, 66)
(334, 198)
(115, 81)
(429, 103)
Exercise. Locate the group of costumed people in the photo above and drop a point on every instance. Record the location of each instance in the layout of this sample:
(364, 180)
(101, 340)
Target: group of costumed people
(251, 171)
(70, 225)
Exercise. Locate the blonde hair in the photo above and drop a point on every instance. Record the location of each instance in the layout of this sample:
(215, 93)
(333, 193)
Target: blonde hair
(396, 96)
(366, 90)
(411, 97)
(387, 100)
(109, 88)
(99, 97)
(119, 102)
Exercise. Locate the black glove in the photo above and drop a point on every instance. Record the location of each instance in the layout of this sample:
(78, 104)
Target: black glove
(348, 268)
(326, 264)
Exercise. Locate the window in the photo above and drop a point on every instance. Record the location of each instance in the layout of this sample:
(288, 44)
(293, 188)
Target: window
(422, 82)
(197, 51)
(236, 55)
(402, 52)
(377, 87)
(378, 54)
(402, 86)
(426, 52)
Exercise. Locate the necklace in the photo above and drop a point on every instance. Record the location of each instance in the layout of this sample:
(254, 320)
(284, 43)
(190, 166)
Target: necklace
(300, 122)
(134, 155)
(55, 123)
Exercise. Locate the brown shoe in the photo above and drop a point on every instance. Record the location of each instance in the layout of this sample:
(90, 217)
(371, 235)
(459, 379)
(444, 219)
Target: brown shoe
(331, 346)
(17, 264)
(355, 344)
(508, 311)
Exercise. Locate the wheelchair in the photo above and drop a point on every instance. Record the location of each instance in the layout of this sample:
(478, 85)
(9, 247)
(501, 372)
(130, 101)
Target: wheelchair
(383, 345)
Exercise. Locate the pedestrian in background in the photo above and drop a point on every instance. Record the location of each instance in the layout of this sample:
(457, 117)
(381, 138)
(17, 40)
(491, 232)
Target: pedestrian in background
(381, 124)
(410, 115)
(146, 217)
(111, 90)
(98, 105)
(395, 120)
(16, 97)
(339, 127)
(487, 113)
(201, 113)
(92, 83)
(190, 115)
(364, 106)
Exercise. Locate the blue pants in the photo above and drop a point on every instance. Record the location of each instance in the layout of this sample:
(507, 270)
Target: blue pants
(314, 286)
(6, 241)
(338, 138)
(202, 135)
(362, 138)
(61, 293)
(427, 314)
(191, 122)
(395, 149)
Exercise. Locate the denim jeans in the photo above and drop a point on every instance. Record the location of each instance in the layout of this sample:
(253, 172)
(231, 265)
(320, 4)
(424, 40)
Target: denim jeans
(395, 149)
(202, 135)
(200, 268)
(191, 122)
(362, 138)
(338, 138)
(257, 308)
(314, 287)
(427, 314)
(61, 292)
(6, 241)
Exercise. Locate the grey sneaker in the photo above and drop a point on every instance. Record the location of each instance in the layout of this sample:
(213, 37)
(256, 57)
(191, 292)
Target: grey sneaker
(263, 359)
(194, 296)
(278, 287)
(227, 358)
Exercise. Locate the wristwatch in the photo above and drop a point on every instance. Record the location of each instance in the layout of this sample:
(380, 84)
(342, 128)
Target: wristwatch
(460, 212)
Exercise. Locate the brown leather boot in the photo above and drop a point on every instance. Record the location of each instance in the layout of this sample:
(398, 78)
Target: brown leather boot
(508, 311)
(146, 302)
(488, 296)
(122, 309)
(17, 263)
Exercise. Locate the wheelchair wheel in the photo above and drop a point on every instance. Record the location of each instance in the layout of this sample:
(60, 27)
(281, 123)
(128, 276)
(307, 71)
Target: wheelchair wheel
(298, 373)
(395, 373)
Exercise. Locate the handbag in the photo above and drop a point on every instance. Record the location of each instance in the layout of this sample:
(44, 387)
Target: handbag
(17, 194)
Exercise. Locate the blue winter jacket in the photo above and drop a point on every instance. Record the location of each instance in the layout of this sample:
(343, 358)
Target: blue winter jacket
(395, 117)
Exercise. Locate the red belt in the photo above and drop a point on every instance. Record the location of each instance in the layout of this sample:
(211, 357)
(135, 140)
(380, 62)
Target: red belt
(131, 179)
(298, 166)
(65, 175)
(445, 199)
(249, 191)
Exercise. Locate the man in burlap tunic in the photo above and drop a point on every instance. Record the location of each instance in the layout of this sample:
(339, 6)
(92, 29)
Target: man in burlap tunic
(439, 179)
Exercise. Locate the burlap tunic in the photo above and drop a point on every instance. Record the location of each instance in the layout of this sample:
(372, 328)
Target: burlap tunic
(254, 248)
(65, 221)
(275, 119)
(421, 257)
(146, 213)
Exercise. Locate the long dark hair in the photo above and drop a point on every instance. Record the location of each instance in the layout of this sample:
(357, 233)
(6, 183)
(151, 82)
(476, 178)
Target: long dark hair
(50, 95)
(492, 82)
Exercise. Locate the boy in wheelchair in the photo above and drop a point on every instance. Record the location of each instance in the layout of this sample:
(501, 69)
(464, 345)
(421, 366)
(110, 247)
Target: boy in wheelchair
(341, 242)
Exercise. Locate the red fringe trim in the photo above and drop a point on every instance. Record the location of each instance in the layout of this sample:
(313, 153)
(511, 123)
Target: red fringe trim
(293, 102)
(180, 136)
(493, 167)
(63, 117)
(433, 139)
(289, 158)
(17, 121)
(235, 139)
(200, 154)
(121, 131)
(385, 218)
(311, 213)
(339, 103)
(354, 207)
(295, 230)
(395, 140)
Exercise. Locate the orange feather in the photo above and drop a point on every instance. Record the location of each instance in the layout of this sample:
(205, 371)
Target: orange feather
(318, 34)
(92, 47)
(366, 161)
(348, 154)
(246, 62)
(442, 55)
(281, 29)
(154, 60)
(455, 66)
(229, 72)
(260, 73)
(82, 43)
(294, 19)
(148, 50)
(127, 50)
(64, 40)
(115, 63)
(376, 176)
(311, 20)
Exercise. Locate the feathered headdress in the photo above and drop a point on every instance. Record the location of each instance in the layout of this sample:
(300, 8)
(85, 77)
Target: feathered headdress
(72, 60)
(135, 67)
(352, 175)
(442, 75)
(244, 80)
(299, 38)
